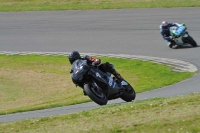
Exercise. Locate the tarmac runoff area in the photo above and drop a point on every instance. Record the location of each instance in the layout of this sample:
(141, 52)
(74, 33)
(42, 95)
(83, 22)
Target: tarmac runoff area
(177, 65)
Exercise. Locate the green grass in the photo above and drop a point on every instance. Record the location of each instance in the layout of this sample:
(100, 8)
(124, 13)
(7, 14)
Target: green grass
(37, 82)
(32, 82)
(175, 115)
(46, 5)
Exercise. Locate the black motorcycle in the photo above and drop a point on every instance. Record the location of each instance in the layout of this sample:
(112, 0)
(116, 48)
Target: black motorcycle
(100, 86)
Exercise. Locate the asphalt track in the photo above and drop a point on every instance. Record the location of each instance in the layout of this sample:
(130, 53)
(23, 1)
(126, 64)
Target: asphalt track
(124, 31)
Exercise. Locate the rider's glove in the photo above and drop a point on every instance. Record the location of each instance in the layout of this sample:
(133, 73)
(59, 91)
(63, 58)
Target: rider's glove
(170, 37)
(183, 24)
(92, 60)
(96, 62)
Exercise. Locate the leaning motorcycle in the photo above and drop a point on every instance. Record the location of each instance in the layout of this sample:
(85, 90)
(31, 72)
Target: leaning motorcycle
(180, 36)
(100, 86)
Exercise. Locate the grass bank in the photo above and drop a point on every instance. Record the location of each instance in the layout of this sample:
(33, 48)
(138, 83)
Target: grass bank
(46, 5)
(175, 115)
(32, 82)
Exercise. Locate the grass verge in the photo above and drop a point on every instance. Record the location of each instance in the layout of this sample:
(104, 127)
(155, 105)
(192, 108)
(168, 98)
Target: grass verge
(32, 82)
(46, 5)
(175, 115)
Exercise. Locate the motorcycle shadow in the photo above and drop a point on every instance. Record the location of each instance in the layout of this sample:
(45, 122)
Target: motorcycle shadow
(186, 46)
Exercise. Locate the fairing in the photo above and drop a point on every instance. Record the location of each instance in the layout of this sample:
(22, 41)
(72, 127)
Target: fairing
(178, 31)
(79, 68)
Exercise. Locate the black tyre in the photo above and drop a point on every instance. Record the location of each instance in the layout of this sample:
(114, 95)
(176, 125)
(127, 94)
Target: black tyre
(191, 41)
(95, 94)
(129, 93)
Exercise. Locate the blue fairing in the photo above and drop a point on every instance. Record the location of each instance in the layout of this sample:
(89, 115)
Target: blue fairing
(180, 30)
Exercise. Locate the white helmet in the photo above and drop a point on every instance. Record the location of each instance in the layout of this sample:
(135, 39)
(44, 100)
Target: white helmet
(164, 24)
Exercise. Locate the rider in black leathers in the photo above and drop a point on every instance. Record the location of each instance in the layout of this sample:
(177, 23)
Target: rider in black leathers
(105, 67)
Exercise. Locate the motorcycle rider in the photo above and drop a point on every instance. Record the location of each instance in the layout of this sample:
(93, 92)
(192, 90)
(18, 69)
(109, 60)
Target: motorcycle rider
(164, 30)
(105, 67)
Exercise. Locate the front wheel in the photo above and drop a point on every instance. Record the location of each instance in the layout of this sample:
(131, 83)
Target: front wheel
(129, 93)
(95, 94)
(191, 41)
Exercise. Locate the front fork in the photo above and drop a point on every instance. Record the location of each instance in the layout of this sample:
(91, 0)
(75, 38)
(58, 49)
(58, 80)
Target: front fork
(98, 88)
(184, 37)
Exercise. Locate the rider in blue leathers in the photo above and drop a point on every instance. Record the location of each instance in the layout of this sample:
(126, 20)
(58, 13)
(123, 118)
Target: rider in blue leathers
(164, 30)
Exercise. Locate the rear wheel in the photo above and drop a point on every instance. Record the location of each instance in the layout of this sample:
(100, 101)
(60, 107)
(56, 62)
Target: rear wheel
(191, 41)
(129, 93)
(95, 94)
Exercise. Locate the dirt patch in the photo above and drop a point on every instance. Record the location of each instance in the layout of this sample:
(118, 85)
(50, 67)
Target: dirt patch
(33, 87)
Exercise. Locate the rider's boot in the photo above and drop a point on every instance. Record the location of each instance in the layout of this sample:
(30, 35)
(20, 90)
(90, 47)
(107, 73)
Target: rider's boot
(118, 76)
(172, 45)
(114, 72)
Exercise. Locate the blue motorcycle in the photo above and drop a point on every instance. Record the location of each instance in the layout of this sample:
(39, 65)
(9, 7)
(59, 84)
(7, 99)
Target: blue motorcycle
(180, 36)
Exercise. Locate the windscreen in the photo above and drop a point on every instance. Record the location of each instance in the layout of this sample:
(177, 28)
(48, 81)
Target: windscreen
(79, 68)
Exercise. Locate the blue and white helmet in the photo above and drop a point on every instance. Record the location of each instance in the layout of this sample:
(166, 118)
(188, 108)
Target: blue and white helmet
(164, 24)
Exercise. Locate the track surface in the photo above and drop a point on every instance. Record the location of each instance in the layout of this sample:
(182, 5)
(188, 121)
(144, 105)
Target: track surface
(130, 31)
